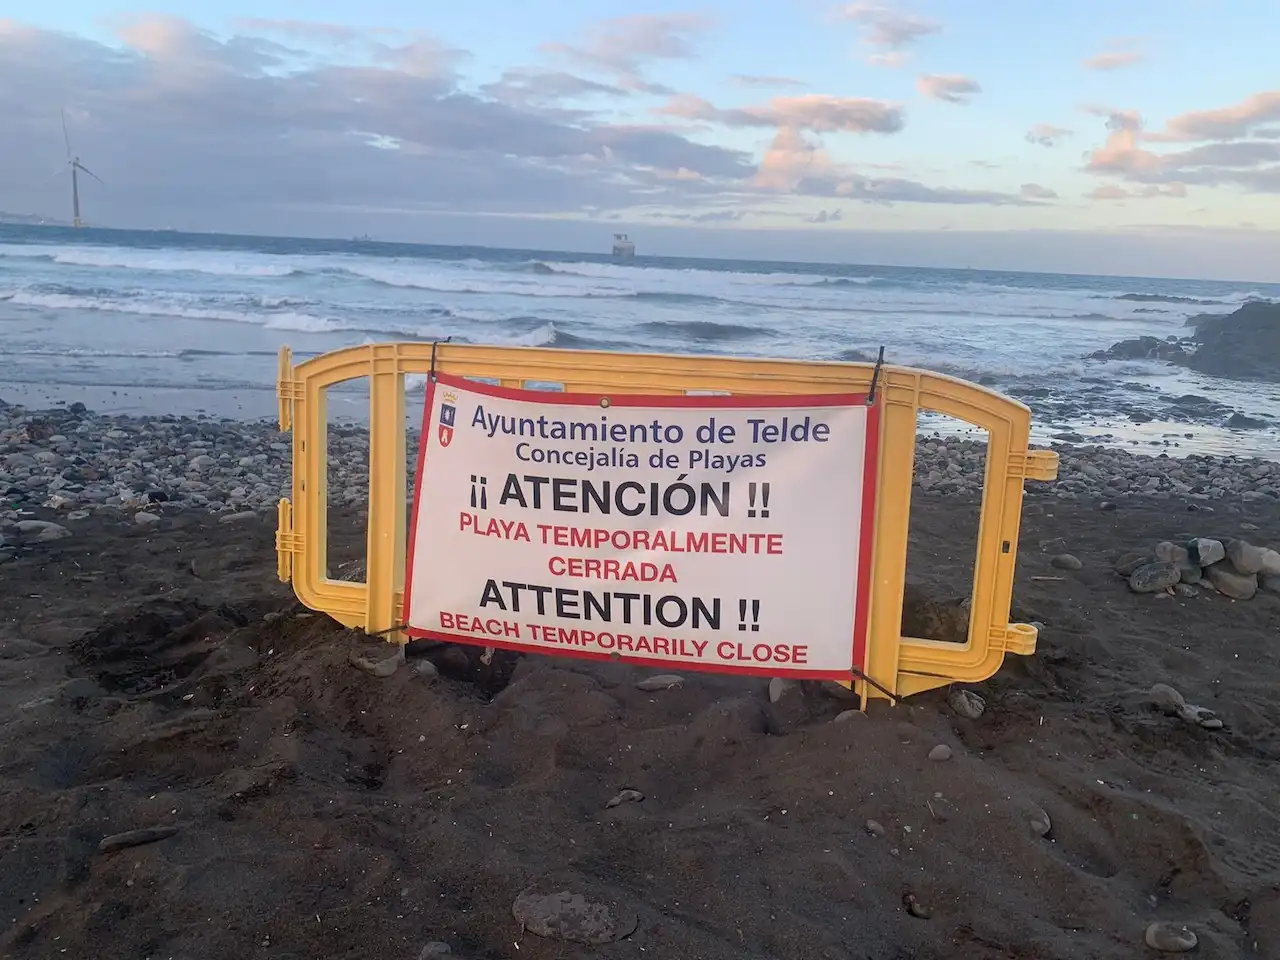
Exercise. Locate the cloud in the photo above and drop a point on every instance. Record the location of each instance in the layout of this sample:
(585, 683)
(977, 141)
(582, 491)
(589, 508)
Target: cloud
(1113, 192)
(1047, 135)
(1114, 59)
(1033, 191)
(952, 88)
(308, 31)
(533, 85)
(751, 80)
(224, 130)
(1227, 123)
(176, 118)
(1227, 160)
(888, 30)
(623, 46)
(820, 113)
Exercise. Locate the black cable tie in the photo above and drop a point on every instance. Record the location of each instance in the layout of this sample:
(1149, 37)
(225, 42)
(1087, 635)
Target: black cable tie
(875, 379)
(893, 699)
(431, 374)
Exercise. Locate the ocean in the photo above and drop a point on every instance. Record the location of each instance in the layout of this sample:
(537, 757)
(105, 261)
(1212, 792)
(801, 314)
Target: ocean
(162, 322)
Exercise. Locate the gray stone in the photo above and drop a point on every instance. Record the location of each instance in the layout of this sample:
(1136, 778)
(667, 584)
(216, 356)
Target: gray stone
(1173, 553)
(1170, 937)
(144, 519)
(1270, 563)
(203, 463)
(1065, 561)
(237, 517)
(1132, 561)
(42, 529)
(1038, 820)
(940, 753)
(1269, 582)
(967, 704)
(844, 716)
(1166, 698)
(875, 828)
(1154, 577)
(664, 681)
(779, 687)
(436, 948)
(1204, 551)
(1190, 572)
(1245, 557)
(553, 911)
(1231, 583)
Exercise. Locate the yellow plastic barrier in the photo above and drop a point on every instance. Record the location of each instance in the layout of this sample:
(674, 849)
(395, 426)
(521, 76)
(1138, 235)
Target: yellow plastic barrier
(895, 665)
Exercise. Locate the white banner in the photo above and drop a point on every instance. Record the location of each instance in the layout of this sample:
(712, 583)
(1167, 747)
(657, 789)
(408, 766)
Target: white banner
(709, 532)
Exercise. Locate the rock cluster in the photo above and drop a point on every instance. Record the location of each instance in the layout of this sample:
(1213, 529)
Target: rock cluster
(1244, 345)
(1095, 472)
(73, 461)
(1234, 568)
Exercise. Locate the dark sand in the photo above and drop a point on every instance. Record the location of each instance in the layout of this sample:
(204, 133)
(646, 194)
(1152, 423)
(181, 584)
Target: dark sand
(162, 676)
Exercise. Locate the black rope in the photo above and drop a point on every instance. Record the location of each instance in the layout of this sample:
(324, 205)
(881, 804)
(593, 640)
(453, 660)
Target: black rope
(431, 374)
(888, 693)
(875, 379)
(383, 633)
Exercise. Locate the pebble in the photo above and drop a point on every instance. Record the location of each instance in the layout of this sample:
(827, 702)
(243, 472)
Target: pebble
(436, 948)
(875, 828)
(1245, 557)
(426, 669)
(1170, 937)
(1204, 551)
(1231, 583)
(143, 519)
(71, 458)
(1154, 577)
(940, 752)
(664, 681)
(1166, 698)
(779, 687)
(967, 704)
(1039, 821)
(844, 716)
(625, 796)
(552, 911)
(1065, 561)
(42, 529)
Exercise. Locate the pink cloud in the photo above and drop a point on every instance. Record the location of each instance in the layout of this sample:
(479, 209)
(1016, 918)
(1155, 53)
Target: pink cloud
(951, 88)
(1225, 123)
(790, 159)
(1114, 60)
(885, 27)
(820, 113)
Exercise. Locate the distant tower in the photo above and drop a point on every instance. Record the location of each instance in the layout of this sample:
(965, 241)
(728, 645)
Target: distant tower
(76, 166)
(622, 247)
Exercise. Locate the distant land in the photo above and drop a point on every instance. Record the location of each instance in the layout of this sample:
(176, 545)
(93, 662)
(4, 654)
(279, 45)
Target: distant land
(32, 219)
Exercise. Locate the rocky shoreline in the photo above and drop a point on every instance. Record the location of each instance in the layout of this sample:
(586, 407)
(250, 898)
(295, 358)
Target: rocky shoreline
(1244, 345)
(72, 461)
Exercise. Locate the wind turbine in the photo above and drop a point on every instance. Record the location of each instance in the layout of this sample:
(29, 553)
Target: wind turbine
(76, 166)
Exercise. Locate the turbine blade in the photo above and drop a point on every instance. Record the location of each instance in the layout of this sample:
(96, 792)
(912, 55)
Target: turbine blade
(90, 173)
(66, 137)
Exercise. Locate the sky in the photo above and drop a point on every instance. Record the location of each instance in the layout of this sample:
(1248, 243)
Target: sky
(1126, 136)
